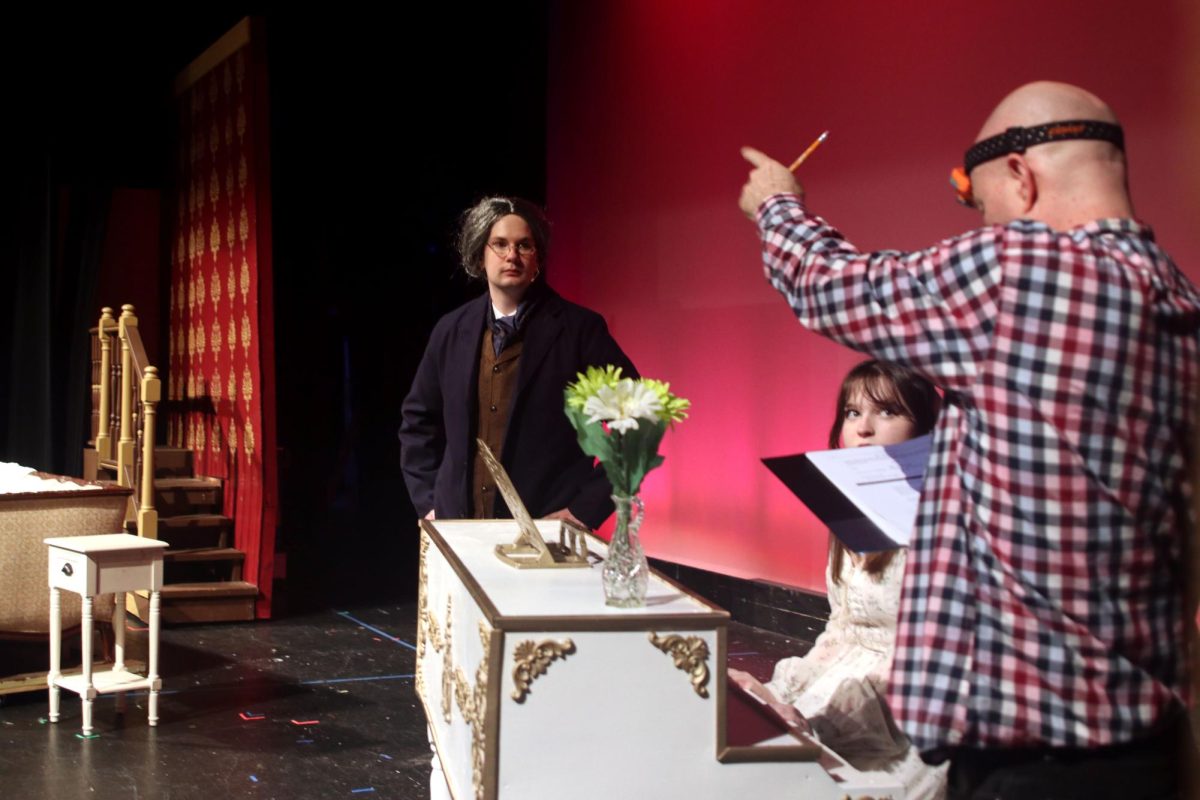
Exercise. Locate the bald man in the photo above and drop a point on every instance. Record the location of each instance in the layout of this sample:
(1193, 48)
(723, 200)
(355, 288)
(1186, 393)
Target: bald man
(1040, 641)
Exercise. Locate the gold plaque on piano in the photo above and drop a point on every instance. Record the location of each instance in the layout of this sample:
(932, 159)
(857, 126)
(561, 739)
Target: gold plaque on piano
(530, 550)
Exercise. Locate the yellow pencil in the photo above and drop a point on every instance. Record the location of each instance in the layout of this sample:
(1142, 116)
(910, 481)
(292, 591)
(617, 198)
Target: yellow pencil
(816, 143)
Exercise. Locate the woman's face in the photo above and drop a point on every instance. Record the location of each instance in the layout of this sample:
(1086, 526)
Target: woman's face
(865, 423)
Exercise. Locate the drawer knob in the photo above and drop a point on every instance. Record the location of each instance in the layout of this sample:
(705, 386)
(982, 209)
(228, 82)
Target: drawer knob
(68, 570)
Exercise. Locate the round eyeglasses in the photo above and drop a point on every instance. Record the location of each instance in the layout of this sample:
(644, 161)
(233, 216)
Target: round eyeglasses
(502, 247)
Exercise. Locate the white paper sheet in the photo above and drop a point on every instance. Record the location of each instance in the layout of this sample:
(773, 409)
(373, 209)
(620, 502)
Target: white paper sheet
(883, 482)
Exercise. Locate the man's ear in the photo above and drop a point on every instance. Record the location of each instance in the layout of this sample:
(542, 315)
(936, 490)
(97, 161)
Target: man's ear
(1019, 172)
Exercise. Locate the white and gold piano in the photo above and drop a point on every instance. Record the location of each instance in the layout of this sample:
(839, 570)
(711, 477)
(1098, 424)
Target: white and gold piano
(534, 688)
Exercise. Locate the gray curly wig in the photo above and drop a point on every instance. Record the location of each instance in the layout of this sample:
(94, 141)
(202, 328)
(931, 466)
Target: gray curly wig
(476, 226)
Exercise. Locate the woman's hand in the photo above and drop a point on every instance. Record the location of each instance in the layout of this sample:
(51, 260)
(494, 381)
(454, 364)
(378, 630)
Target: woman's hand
(755, 687)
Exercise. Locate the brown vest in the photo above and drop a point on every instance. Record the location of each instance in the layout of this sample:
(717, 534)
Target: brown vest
(497, 385)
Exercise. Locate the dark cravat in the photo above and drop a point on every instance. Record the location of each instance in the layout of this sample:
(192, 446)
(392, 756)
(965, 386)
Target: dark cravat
(504, 330)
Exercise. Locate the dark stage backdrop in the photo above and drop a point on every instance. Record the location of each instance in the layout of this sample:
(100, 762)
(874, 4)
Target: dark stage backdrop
(649, 103)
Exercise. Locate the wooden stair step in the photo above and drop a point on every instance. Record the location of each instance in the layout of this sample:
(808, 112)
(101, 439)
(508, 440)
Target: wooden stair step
(192, 531)
(204, 554)
(182, 496)
(188, 591)
(173, 462)
(203, 564)
(196, 530)
(220, 601)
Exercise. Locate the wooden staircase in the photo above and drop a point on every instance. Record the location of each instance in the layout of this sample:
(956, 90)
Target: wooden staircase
(202, 570)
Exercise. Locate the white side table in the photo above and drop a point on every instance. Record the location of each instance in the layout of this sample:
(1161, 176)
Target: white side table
(113, 563)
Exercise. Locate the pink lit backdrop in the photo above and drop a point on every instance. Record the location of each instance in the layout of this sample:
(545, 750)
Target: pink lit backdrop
(649, 103)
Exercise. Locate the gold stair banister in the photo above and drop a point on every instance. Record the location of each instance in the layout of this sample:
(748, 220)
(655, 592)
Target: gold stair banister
(140, 391)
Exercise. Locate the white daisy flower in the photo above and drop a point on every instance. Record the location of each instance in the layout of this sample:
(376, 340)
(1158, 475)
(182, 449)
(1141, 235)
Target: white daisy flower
(621, 406)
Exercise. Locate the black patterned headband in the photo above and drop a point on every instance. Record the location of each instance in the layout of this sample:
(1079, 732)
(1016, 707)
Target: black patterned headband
(1018, 139)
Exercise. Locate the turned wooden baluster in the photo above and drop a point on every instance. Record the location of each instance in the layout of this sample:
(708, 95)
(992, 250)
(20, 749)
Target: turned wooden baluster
(126, 443)
(147, 517)
(103, 436)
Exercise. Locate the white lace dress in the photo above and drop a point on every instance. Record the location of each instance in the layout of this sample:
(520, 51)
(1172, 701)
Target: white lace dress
(840, 685)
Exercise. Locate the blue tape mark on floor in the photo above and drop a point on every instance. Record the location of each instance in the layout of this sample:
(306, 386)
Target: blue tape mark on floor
(373, 629)
(355, 680)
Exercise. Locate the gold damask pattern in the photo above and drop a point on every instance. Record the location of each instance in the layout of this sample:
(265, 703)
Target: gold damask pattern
(690, 655)
(212, 300)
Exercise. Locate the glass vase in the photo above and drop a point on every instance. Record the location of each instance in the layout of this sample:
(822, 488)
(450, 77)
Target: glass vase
(626, 572)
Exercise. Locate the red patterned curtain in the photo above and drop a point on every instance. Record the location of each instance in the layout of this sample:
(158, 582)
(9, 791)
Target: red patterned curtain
(221, 374)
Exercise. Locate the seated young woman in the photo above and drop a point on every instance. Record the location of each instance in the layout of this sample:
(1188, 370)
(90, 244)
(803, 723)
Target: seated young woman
(837, 689)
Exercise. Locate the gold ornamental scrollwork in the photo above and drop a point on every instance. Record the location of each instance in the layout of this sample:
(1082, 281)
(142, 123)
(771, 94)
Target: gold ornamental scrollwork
(457, 689)
(532, 659)
(447, 666)
(472, 704)
(690, 655)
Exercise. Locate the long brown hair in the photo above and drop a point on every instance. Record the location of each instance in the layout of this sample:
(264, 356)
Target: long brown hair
(887, 385)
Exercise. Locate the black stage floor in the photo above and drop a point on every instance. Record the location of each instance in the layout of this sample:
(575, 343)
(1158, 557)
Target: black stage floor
(313, 706)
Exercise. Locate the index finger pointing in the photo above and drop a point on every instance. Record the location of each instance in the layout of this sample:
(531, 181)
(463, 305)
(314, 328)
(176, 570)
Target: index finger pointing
(756, 157)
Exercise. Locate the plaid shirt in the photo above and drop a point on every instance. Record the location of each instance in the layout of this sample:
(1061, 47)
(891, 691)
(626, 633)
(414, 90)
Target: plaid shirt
(1043, 601)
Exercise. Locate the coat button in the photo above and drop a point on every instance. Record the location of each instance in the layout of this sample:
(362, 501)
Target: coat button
(496, 368)
(493, 408)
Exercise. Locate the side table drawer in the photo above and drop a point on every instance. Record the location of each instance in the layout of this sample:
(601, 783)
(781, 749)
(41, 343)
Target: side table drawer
(71, 571)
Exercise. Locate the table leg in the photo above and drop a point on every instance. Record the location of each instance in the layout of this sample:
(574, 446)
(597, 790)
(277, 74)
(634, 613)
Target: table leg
(55, 651)
(89, 692)
(118, 625)
(152, 666)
